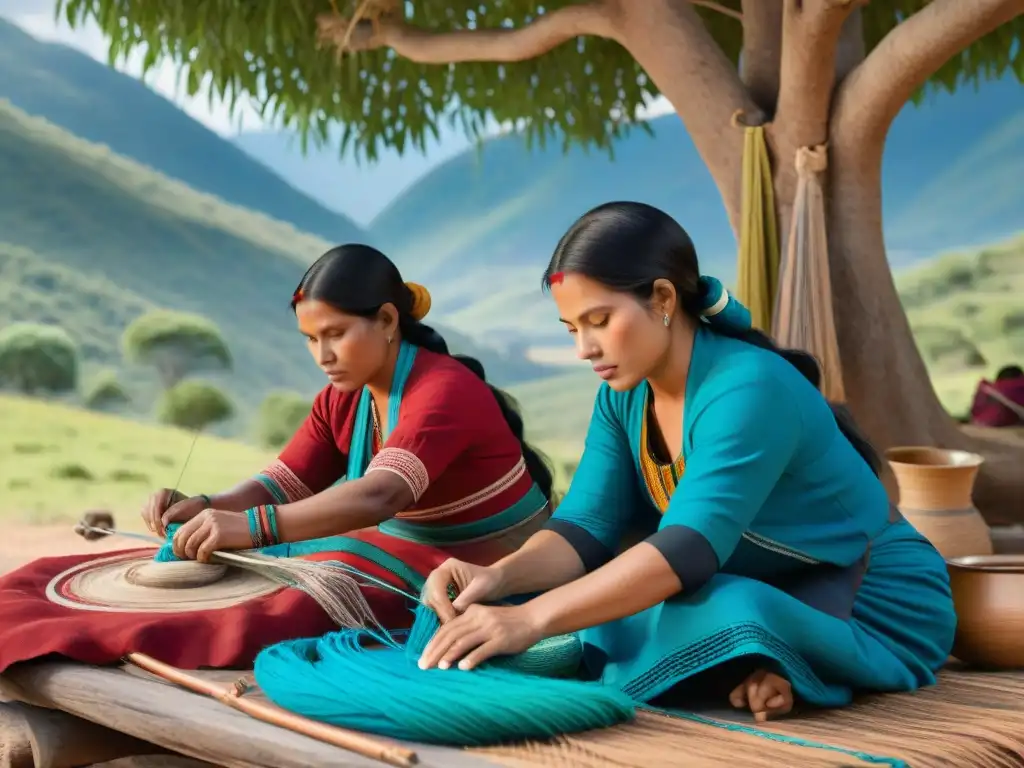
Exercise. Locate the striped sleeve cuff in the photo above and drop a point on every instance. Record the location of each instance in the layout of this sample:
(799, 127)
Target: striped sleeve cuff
(591, 552)
(688, 553)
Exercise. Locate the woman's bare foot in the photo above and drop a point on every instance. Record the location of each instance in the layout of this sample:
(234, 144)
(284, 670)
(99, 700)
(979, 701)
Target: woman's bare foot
(765, 693)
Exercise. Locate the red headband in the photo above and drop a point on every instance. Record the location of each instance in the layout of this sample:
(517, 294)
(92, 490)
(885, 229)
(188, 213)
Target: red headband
(556, 278)
(297, 296)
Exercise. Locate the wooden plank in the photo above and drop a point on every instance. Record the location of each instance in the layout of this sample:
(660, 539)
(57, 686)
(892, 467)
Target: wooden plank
(155, 761)
(34, 737)
(192, 725)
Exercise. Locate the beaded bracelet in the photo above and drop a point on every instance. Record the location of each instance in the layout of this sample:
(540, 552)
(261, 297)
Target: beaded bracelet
(262, 525)
(252, 515)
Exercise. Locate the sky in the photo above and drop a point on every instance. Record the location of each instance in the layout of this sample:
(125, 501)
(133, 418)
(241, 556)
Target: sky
(37, 18)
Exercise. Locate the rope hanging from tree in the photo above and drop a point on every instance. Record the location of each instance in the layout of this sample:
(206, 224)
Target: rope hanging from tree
(803, 316)
(757, 270)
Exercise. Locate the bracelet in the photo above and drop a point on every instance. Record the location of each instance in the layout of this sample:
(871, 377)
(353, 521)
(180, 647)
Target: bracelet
(255, 530)
(206, 500)
(272, 534)
(262, 525)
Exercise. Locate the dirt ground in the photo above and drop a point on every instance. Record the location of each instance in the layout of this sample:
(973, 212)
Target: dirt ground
(20, 544)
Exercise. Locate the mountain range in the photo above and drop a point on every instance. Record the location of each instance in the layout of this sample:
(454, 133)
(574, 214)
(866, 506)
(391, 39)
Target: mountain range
(114, 201)
(96, 103)
(950, 179)
(480, 226)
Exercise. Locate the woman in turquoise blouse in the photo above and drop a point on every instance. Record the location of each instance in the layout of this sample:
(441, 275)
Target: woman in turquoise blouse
(773, 566)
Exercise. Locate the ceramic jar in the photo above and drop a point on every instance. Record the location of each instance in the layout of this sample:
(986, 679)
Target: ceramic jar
(935, 487)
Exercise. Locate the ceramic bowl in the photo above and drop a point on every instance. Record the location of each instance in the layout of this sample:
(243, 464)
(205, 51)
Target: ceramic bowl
(988, 592)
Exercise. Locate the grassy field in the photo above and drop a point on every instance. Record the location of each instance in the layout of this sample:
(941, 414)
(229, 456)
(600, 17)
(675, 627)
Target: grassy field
(57, 461)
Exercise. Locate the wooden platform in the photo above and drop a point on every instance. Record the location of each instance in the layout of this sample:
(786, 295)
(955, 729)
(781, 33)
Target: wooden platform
(155, 712)
(970, 720)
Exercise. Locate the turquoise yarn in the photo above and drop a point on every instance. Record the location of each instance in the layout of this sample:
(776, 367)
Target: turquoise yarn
(558, 656)
(336, 679)
(166, 552)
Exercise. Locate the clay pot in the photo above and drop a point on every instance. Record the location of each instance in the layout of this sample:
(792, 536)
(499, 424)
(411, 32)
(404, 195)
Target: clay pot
(988, 593)
(935, 488)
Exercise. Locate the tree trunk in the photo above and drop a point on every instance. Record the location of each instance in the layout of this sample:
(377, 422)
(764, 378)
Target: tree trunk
(806, 76)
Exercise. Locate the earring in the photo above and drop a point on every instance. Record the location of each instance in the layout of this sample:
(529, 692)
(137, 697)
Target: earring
(389, 339)
(666, 319)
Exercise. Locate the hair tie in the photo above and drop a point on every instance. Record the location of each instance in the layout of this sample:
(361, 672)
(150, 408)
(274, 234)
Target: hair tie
(420, 301)
(721, 310)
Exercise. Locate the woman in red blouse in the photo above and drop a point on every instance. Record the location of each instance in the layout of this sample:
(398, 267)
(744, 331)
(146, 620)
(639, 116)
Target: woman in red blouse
(408, 458)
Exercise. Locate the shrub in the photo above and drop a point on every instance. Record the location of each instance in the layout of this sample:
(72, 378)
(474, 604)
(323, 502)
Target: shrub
(105, 393)
(280, 415)
(38, 359)
(194, 405)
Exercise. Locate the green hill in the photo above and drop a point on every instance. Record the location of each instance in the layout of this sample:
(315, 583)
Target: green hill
(90, 240)
(99, 104)
(965, 308)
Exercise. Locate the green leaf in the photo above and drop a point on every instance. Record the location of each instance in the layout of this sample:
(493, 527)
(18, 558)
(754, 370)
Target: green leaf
(584, 92)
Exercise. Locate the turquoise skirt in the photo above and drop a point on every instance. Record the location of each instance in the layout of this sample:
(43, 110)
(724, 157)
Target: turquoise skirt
(900, 633)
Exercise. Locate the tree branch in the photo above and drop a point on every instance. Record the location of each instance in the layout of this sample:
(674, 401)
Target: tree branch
(873, 94)
(762, 51)
(719, 7)
(498, 45)
(810, 38)
(850, 50)
(673, 45)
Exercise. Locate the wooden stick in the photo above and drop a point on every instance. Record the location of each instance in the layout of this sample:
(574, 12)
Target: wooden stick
(233, 697)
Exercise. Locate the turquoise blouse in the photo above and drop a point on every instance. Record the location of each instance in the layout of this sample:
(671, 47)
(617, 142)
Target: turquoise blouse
(769, 484)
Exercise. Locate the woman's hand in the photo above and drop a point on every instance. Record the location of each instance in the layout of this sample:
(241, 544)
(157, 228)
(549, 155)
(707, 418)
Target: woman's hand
(473, 584)
(167, 506)
(209, 531)
(478, 634)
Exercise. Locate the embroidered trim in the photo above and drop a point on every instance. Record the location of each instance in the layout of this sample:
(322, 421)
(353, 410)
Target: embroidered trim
(279, 479)
(406, 465)
(780, 549)
(660, 479)
(485, 494)
(526, 510)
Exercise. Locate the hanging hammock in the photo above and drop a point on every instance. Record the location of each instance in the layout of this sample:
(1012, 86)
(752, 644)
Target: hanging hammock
(803, 316)
(757, 271)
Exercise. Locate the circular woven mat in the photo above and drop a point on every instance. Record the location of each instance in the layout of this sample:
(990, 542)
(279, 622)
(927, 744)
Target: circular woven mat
(134, 583)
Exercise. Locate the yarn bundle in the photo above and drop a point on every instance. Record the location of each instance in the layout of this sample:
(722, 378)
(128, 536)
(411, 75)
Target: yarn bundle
(337, 679)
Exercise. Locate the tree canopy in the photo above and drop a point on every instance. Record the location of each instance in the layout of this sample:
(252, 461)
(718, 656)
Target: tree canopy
(38, 358)
(194, 405)
(177, 344)
(585, 90)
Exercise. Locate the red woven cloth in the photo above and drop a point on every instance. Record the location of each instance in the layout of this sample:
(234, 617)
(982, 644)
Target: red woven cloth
(986, 411)
(31, 626)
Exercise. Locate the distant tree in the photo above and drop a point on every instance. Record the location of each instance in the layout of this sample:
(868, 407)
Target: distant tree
(105, 392)
(38, 359)
(280, 416)
(176, 344)
(194, 405)
(815, 73)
